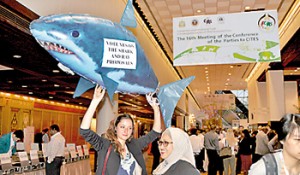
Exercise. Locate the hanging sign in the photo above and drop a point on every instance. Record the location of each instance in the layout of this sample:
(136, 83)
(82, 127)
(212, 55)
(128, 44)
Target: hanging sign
(226, 38)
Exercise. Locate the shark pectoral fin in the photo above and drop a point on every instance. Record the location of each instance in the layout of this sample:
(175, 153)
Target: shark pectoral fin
(169, 95)
(82, 86)
(128, 18)
(110, 85)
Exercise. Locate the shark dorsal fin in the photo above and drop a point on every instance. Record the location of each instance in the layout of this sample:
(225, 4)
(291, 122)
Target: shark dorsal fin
(128, 18)
(82, 86)
(110, 85)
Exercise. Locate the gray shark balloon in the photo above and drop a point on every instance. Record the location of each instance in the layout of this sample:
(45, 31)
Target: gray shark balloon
(78, 43)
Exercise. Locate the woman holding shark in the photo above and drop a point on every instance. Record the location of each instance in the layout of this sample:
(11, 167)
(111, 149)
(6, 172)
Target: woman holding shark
(118, 152)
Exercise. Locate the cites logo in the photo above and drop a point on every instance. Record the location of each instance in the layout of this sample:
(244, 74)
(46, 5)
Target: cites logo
(266, 22)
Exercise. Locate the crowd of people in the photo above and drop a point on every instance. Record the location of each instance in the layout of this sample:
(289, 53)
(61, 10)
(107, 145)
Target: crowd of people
(177, 152)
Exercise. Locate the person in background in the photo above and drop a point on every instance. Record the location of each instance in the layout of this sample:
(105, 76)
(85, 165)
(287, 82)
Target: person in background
(230, 141)
(202, 152)
(126, 155)
(196, 145)
(211, 144)
(55, 151)
(8, 142)
(45, 137)
(177, 154)
(287, 161)
(253, 139)
(245, 152)
(38, 138)
(261, 144)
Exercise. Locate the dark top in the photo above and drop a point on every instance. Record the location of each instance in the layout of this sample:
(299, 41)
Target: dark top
(182, 167)
(101, 144)
(245, 146)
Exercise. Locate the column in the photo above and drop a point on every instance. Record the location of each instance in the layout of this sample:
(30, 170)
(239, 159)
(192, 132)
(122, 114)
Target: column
(106, 112)
(275, 94)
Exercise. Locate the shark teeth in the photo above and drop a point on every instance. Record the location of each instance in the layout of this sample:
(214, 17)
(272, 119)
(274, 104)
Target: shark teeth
(54, 47)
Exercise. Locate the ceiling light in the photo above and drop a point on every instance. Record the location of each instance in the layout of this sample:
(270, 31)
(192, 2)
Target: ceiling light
(228, 79)
(50, 97)
(207, 83)
(9, 81)
(231, 66)
(56, 85)
(44, 80)
(206, 71)
(24, 86)
(17, 56)
(206, 68)
(247, 8)
(80, 103)
(295, 70)
(67, 101)
(55, 71)
(30, 92)
(229, 74)
(198, 11)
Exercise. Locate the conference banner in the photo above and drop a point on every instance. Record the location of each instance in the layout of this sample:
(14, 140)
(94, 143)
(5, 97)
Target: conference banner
(226, 38)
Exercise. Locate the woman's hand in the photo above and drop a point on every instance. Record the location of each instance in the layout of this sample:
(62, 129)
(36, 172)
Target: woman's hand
(153, 101)
(98, 93)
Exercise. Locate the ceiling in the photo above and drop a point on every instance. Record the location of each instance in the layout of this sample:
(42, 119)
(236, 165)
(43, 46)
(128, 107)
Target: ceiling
(35, 73)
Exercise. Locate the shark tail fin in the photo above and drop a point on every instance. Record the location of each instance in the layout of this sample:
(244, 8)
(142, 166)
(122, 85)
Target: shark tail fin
(128, 18)
(169, 95)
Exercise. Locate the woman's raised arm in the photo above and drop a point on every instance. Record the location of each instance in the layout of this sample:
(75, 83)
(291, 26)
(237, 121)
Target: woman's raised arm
(97, 97)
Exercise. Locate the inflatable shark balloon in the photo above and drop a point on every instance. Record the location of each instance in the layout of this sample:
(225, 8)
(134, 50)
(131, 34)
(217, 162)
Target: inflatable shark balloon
(104, 53)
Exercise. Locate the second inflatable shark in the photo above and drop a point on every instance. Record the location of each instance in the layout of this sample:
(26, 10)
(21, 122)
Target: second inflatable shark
(82, 43)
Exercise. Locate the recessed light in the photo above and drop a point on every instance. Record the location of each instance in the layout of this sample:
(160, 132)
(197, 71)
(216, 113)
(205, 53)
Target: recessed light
(198, 11)
(9, 81)
(44, 80)
(55, 71)
(229, 73)
(17, 56)
(30, 92)
(50, 97)
(231, 66)
(56, 85)
(67, 101)
(24, 86)
(247, 8)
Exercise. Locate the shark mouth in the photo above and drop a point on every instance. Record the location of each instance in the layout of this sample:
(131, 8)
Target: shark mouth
(54, 47)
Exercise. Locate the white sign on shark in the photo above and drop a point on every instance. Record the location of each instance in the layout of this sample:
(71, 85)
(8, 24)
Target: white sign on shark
(226, 38)
(119, 54)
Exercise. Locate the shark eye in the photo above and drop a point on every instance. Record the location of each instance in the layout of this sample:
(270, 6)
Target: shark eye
(75, 34)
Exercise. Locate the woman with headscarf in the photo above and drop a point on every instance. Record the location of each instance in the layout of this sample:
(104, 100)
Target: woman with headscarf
(230, 141)
(176, 151)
